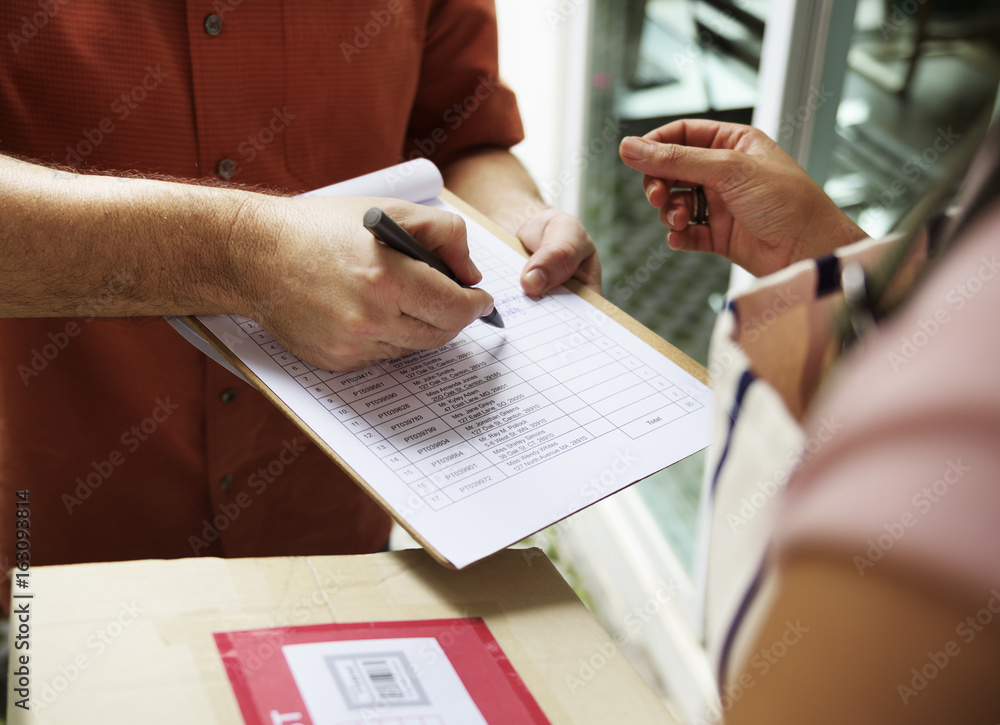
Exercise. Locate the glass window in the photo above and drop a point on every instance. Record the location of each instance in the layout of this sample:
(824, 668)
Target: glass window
(654, 61)
(918, 76)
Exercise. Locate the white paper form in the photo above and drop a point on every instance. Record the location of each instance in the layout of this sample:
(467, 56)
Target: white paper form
(500, 433)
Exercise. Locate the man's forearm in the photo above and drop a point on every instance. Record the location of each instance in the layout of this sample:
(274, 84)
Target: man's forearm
(496, 183)
(305, 269)
(141, 247)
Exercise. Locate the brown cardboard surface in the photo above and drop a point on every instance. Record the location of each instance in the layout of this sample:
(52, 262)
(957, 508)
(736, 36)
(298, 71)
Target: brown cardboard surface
(131, 642)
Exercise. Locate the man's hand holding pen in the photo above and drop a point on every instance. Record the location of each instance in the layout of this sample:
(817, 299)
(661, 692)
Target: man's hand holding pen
(335, 297)
(339, 299)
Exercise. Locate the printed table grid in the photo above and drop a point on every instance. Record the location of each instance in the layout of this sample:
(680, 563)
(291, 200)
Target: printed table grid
(454, 421)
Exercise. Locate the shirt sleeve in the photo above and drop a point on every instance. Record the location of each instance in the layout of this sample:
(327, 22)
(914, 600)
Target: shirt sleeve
(461, 103)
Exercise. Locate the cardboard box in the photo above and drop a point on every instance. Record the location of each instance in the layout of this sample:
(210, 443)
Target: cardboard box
(132, 642)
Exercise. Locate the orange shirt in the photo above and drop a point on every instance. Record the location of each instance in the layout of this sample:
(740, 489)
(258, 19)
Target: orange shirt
(132, 443)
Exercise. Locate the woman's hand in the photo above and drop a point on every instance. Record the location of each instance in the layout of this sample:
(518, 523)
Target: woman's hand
(764, 210)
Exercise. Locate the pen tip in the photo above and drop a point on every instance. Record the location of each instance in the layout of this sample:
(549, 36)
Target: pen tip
(493, 319)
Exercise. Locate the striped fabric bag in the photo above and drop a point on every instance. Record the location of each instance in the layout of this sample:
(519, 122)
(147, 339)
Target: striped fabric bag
(769, 354)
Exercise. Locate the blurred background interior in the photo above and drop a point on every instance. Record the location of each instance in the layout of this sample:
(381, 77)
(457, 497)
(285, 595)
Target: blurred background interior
(867, 94)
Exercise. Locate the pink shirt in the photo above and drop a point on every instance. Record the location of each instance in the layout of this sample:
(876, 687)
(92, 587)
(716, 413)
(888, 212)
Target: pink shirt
(909, 478)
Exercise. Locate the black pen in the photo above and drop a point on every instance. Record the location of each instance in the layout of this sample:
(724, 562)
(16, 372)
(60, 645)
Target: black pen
(391, 234)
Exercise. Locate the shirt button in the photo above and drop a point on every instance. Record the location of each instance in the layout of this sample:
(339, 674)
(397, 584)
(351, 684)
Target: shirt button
(226, 169)
(213, 25)
(228, 395)
(225, 482)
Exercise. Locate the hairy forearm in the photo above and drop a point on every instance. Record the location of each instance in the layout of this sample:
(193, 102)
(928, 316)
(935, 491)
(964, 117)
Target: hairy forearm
(305, 269)
(85, 245)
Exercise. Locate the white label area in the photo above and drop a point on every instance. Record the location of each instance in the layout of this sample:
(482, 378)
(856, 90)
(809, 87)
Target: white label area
(380, 680)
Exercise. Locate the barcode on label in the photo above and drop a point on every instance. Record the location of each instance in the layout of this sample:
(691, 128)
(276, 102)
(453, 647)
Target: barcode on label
(385, 679)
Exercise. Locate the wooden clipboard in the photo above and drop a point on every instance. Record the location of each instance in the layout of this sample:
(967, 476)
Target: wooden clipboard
(639, 330)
